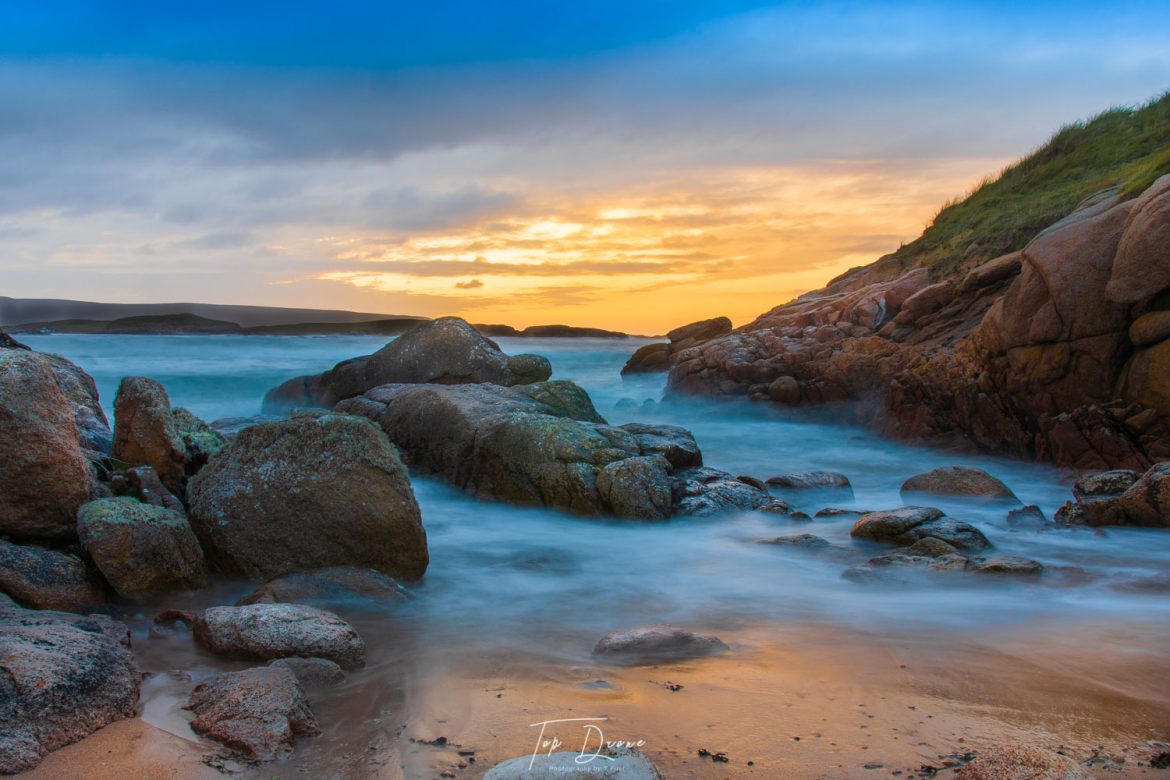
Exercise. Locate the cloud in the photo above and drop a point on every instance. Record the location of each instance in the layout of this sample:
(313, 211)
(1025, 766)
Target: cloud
(472, 284)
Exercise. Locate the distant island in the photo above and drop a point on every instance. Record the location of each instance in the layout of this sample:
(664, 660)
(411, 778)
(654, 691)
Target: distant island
(42, 315)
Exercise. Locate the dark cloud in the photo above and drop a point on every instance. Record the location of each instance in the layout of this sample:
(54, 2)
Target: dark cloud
(469, 285)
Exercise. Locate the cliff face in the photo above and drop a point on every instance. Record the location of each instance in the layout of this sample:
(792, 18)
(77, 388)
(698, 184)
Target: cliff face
(1060, 350)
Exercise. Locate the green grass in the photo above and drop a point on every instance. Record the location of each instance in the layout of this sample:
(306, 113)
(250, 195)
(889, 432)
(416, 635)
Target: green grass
(1127, 148)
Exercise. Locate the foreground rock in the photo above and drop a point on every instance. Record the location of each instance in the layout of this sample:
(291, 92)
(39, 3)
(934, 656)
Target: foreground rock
(145, 432)
(958, 481)
(62, 677)
(256, 712)
(44, 475)
(1121, 498)
(706, 491)
(1021, 762)
(651, 644)
(908, 525)
(141, 549)
(344, 586)
(47, 579)
(264, 632)
(628, 765)
(311, 492)
(529, 446)
(444, 351)
(911, 559)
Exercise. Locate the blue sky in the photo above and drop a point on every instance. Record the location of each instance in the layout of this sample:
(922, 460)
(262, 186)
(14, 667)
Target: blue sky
(625, 164)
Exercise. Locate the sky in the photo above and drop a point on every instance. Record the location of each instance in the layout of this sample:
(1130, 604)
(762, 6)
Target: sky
(633, 165)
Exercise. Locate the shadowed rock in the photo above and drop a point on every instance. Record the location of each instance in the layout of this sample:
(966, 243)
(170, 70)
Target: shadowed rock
(797, 540)
(311, 492)
(1145, 502)
(334, 586)
(44, 475)
(47, 579)
(444, 351)
(811, 480)
(707, 491)
(657, 357)
(650, 644)
(62, 677)
(256, 712)
(141, 549)
(312, 673)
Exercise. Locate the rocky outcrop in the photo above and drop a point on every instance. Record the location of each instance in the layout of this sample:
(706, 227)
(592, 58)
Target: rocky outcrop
(958, 481)
(527, 446)
(47, 579)
(62, 677)
(1121, 498)
(44, 474)
(314, 491)
(657, 357)
(657, 643)
(141, 549)
(256, 712)
(445, 351)
(145, 432)
(7, 342)
(263, 632)
(1057, 351)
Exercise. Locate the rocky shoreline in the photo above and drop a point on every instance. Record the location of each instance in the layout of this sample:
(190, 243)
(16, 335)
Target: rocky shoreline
(1055, 352)
(315, 497)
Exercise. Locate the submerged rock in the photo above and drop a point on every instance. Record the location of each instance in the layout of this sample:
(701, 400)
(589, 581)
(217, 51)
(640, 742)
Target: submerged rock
(1029, 516)
(311, 492)
(141, 549)
(47, 579)
(145, 432)
(706, 491)
(797, 540)
(334, 586)
(445, 351)
(266, 631)
(628, 765)
(650, 644)
(1005, 564)
(62, 677)
(44, 475)
(811, 480)
(909, 524)
(312, 673)
(958, 481)
(256, 712)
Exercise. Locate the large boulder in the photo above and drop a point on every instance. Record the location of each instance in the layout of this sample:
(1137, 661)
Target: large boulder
(958, 481)
(145, 432)
(256, 712)
(47, 579)
(445, 351)
(44, 475)
(62, 677)
(306, 493)
(506, 443)
(1121, 498)
(1142, 266)
(263, 632)
(141, 549)
(78, 386)
(907, 525)
(1147, 501)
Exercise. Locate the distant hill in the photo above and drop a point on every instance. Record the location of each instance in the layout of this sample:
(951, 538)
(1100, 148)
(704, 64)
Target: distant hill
(19, 311)
(549, 331)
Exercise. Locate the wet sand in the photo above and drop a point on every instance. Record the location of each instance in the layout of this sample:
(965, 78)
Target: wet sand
(789, 701)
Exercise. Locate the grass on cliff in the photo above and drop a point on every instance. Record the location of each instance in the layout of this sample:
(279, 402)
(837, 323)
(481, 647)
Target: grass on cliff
(1126, 148)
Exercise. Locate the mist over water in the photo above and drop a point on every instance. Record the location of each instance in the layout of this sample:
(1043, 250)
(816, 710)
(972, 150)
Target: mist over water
(513, 579)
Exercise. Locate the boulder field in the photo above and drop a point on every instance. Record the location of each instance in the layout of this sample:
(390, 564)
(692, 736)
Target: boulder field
(1059, 351)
